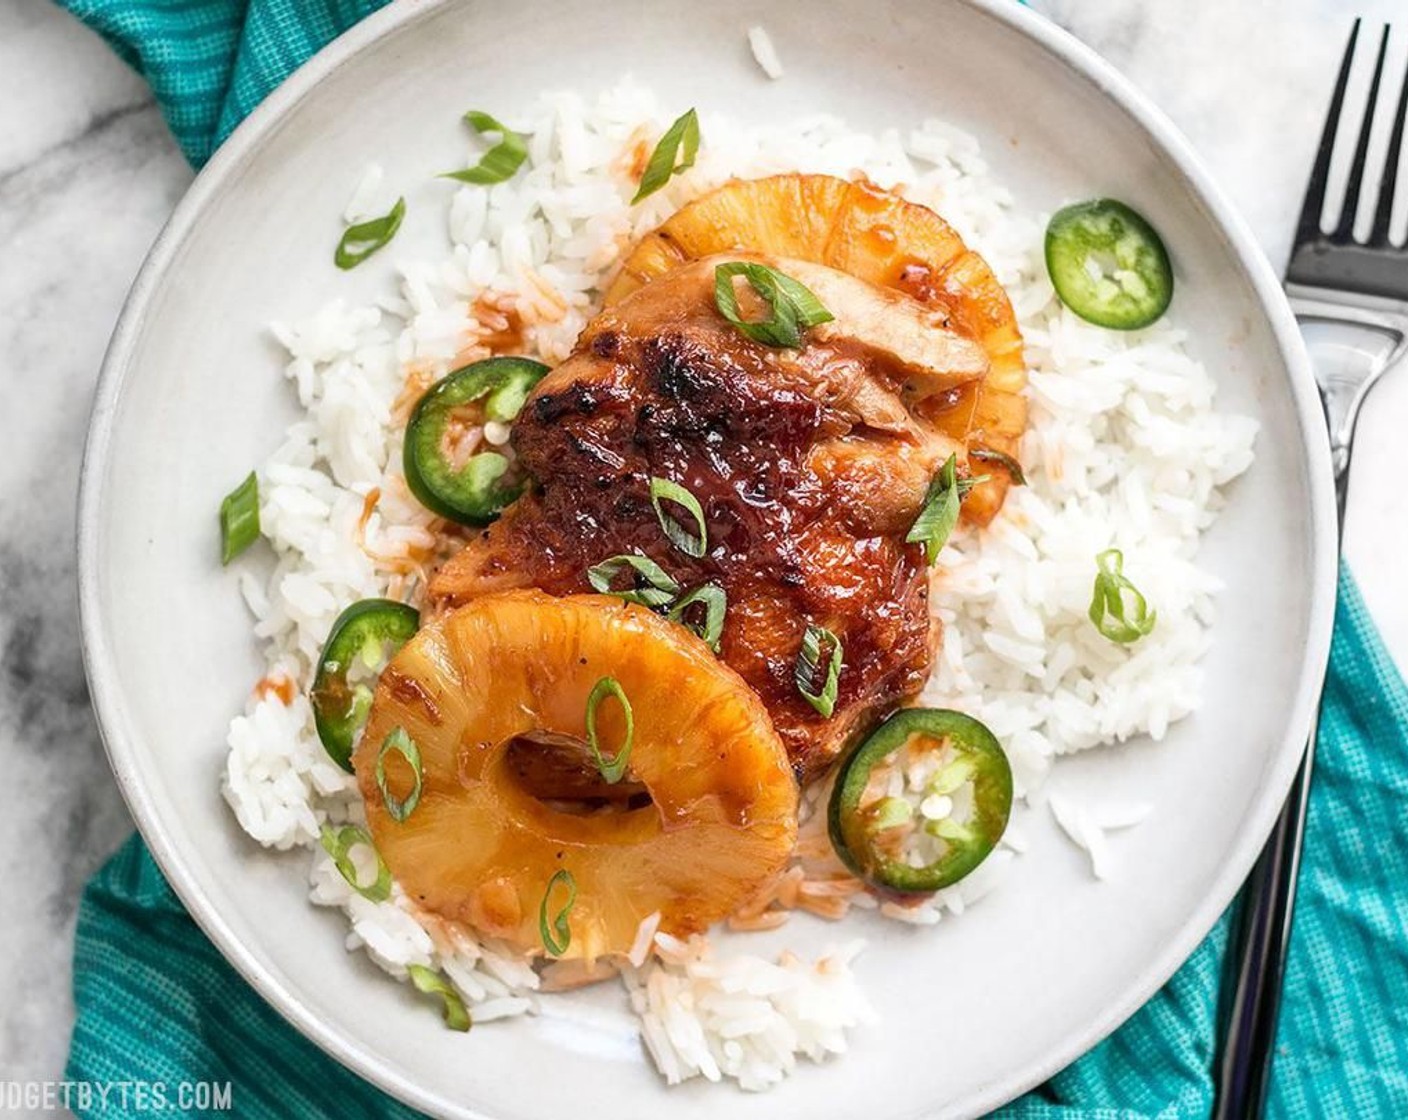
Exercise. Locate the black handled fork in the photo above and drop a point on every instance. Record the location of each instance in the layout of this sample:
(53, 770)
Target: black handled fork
(1361, 284)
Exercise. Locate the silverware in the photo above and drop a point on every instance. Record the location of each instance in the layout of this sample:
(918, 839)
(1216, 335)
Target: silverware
(1353, 294)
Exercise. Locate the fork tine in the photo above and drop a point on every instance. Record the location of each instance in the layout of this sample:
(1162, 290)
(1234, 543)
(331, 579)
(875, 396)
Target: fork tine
(1309, 229)
(1383, 213)
(1345, 230)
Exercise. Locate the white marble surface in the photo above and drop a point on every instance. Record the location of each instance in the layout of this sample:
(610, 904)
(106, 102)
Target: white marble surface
(88, 174)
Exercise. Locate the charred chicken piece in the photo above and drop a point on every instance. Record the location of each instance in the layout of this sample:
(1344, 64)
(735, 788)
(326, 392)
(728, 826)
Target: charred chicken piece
(810, 466)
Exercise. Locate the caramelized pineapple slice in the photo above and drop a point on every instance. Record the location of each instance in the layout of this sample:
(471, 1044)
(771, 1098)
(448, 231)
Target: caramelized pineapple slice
(881, 238)
(494, 696)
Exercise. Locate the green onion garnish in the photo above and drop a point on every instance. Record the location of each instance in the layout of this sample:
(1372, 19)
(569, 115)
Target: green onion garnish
(239, 519)
(940, 513)
(681, 141)
(612, 769)
(794, 306)
(1006, 462)
(339, 842)
(715, 602)
(399, 742)
(499, 162)
(662, 489)
(651, 585)
(365, 238)
(809, 664)
(557, 945)
(1117, 608)
(432, 983)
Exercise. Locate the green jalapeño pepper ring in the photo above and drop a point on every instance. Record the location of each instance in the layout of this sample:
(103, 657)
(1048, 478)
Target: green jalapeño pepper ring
(868, 829)
(372, 629)
(474, 491)
(1108, 265)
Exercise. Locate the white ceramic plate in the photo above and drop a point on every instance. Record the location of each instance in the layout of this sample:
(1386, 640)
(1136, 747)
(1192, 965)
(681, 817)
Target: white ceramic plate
(974, 1011)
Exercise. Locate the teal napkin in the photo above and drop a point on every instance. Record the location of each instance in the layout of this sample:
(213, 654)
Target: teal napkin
(157, 1003)
(210, 62)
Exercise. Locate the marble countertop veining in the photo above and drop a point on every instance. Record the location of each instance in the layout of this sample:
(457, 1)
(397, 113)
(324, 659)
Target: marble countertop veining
(88, 175)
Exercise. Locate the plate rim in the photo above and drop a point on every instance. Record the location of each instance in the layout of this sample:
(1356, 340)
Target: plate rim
(241, 147)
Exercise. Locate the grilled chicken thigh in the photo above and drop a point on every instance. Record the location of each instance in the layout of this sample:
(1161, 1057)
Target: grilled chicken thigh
(810, 466)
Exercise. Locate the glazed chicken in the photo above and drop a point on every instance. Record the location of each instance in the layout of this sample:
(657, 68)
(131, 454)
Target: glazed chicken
(876, 236)
(810, 465)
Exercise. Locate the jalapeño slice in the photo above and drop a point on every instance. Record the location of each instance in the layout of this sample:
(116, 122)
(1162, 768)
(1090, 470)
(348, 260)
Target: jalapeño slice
(1108, 265)
(371, 630)
(473, 491)
(870, 830)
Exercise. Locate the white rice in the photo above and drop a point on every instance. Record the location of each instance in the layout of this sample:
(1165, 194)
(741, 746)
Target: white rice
(1125, 450)
(1087, 825)
(743, 1017)
(366, 196)
(764, 53)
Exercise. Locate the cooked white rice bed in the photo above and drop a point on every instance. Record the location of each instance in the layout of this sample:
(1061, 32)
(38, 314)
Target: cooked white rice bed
(1125, 450)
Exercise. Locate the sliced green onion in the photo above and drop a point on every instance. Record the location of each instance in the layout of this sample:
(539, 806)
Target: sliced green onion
(794, 306)
(680, 142)
(365, 238)
(662, 489)
(239, 519)
(399, 742)
(339, 842)
(651, 585)
(1117, 608)
(715, 605)
(809, 664)
(432, 983)
(499, 162)
(557, 936)
(1006, 462)
(940, 513)
(612, 769)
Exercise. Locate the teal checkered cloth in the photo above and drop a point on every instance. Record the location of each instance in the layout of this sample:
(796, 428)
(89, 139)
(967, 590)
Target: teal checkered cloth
(210, 62)
(156, 1002)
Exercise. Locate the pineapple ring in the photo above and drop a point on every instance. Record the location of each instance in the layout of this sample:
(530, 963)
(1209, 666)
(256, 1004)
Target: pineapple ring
(480, 848)
(875, 236)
